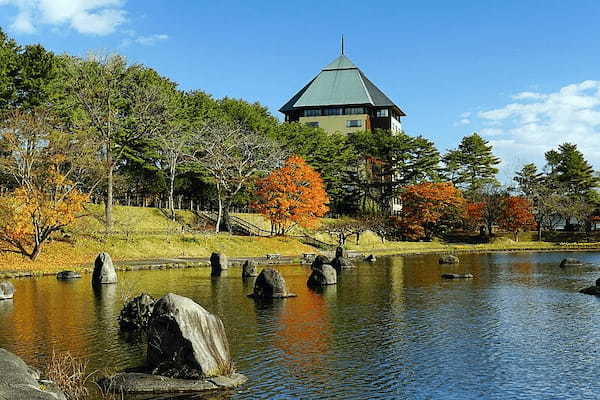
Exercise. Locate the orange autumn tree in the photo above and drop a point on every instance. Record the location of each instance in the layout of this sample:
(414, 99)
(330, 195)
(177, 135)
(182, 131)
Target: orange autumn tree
(291, 195)
(429, 208)
(516, 215)
(474, 215)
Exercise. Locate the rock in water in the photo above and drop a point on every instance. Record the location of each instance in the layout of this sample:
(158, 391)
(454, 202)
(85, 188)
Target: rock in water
(136, 313)
(570, 262)
(340, 263)
(326, 275)
(218, 263)
(67, 275)
(19, 381)
(449, 259)
(371, 258)
(104, 270)
(186, 341)
(270, 285)
(594, 290)
(7, 290)
(457, 276)
(249, 269)
(319, 261)
(340, 252)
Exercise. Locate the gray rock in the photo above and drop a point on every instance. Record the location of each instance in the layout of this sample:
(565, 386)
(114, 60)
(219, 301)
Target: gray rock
(270, 285)
(340, 263)
(457, 276)
(570, 262)
(319, 261)
(186, 341)
(146, 383)
(7, 290)
(18, 381)
(340, 252)
(218, 263)
(593, 290)
(371, 258)
(136, 313)
(249, 269)
(449, 259)
(326, 275)
(67, 275)
(104, 270)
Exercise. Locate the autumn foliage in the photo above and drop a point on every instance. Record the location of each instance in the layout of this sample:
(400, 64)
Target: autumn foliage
(516, 215)
(428, 207)
(290, 195)
(475, 214)
(30, 214)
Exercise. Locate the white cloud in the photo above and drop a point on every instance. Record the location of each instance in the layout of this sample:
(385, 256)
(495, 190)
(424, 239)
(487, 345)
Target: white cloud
(98, 17)
(537, 122)
(151, 39)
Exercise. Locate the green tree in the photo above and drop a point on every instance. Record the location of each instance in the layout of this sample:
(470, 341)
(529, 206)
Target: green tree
(472, 165)
(529, 179)
(570, 168)
(9, 70)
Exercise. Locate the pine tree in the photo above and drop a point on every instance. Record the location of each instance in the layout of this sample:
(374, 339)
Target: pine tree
(472, 165)
(573, 170)
(528, 179)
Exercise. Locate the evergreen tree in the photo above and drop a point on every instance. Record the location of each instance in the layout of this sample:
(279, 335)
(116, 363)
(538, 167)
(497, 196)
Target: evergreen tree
(528, 179)
(9, 69)
(572, 169)
(472, 165)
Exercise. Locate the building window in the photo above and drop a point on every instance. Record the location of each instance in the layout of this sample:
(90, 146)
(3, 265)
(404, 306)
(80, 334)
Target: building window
(313, 124)
(334, 111)
(353, 123)
(312, 113)
(382, 113)
(355, 110)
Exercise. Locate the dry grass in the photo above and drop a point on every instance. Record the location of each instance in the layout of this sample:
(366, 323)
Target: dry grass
(70, 375)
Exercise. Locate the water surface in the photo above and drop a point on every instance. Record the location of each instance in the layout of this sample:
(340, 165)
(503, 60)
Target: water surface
(392, 329)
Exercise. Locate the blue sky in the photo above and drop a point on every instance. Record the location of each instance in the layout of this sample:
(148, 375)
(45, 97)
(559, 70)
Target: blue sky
(523, 73)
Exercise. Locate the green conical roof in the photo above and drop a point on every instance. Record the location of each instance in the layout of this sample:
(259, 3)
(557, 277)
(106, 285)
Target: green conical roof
(339, 83)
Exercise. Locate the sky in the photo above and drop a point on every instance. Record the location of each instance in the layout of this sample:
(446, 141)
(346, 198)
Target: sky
(524, 74)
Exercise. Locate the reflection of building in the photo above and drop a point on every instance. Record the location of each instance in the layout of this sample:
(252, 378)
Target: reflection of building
(342, 99)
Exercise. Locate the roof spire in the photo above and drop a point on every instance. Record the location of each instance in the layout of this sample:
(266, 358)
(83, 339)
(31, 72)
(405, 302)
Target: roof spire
(342, 44)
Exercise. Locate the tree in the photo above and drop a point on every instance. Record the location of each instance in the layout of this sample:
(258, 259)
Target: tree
(232, 155)
(427, 207)
(516, 215)
(472, 165)
(529, 179)
(291, 195)
(570, 168)
(343, 228)
(120, 105)
(488, 202)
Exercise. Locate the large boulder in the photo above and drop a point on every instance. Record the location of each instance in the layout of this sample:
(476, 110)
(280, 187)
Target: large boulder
(218, 263)
(7, 290)
(449, 259)
(326, 275)
(136, 313)
(571, 262)
(270, 285)
(593, 290)
(340, 263)
(104, 270)
(319, 261)
(19, 381)
(249, 269)
(186, 341)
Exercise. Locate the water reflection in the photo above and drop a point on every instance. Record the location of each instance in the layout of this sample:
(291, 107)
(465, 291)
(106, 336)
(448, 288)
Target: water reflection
(391, 329)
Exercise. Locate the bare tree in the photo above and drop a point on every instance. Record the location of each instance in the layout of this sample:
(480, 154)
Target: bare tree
(119, 105)
(232, 155)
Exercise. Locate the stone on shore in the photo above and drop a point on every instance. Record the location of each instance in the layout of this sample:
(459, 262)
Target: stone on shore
(249, 269)
(104, 270)
(457, 276)
(449, 259)
(136, 313)
(371, 258)
(185, 341)
(319, 261)
(67, 275)
(571, 262)
(270, 285)
(340, 263)
(218, 263)
(7, 290)
(19, 381)
(326, 275)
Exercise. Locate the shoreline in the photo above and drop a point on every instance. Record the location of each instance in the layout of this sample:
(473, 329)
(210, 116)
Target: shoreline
(204, 262)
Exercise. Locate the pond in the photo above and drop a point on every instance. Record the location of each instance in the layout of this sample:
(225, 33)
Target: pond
(392, 329)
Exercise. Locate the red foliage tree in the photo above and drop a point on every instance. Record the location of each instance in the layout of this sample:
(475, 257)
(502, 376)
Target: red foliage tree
(429, 208)
(516, 215)
(290, 195)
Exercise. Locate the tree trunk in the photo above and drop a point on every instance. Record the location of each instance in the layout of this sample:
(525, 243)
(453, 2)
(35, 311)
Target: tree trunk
(539, 232)
(108, 204)
(226, 217)
(220, 212)
(171, 200)
(35, 252)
